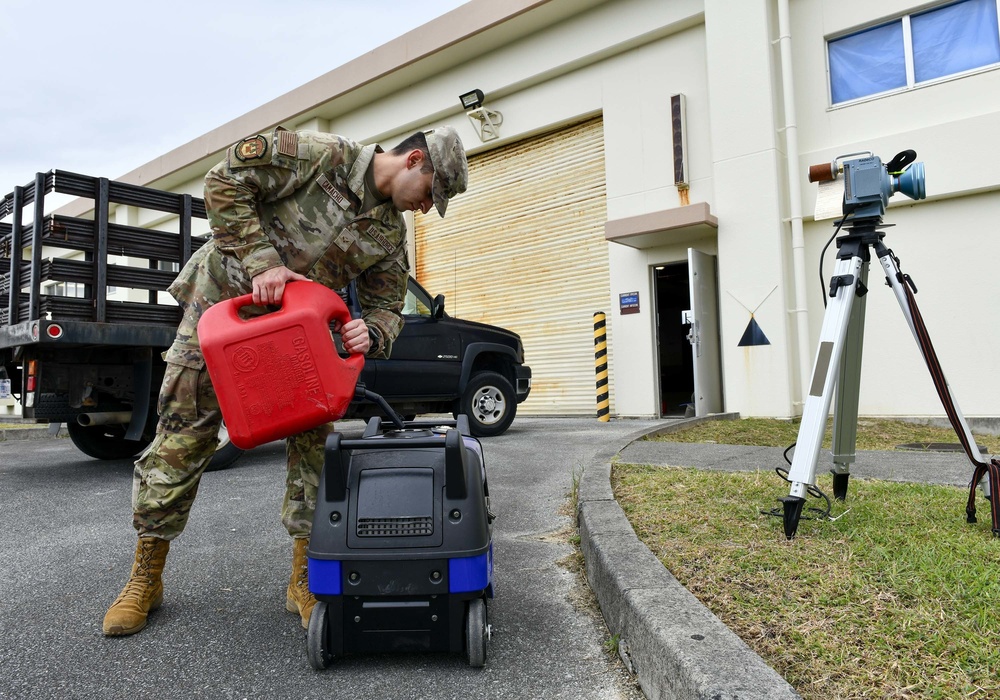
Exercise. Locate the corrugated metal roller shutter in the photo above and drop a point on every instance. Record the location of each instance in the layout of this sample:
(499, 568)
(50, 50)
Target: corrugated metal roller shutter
(524, 248)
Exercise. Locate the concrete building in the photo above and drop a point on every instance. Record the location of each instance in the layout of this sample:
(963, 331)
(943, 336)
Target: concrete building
(574, 205)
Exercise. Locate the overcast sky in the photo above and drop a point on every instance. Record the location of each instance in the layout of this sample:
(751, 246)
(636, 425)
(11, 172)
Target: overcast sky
(103, 87)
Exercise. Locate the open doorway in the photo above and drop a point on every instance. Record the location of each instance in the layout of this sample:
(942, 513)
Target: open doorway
(676, 365)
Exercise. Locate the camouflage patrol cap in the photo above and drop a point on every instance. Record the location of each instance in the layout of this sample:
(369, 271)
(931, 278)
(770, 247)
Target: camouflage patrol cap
(451, 172)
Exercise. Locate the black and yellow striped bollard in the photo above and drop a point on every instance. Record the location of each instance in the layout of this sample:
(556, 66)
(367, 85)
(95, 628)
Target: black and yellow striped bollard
(601, 367)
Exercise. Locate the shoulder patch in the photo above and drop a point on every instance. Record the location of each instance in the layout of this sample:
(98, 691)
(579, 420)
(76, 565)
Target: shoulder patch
(251, 148)
(287, 143)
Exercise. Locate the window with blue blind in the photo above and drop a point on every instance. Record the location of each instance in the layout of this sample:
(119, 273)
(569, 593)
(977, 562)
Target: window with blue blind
(916, 48)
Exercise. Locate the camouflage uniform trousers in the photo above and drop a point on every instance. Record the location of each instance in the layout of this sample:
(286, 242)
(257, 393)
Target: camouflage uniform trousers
(166, 476)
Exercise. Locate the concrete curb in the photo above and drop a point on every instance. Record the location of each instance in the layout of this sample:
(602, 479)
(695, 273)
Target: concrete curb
(40, 432)
(672, 643)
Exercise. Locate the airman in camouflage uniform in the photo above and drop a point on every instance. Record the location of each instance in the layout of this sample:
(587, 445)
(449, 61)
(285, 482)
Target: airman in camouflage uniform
(283, 206)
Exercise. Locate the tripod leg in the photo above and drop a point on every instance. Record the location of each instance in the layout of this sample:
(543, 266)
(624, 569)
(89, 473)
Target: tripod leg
(894, 277)
(791, 512)
(843, 291)
(845, 411)
(896, 280)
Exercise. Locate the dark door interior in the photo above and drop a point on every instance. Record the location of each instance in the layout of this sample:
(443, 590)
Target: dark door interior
(673, 297)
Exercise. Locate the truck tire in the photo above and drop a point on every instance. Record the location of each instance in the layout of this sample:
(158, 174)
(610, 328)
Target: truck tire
(104, 441)
(108, 442)
(490, 404)
(225, 454)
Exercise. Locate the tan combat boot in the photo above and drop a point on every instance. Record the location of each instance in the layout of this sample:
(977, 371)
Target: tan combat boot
(298, 598)
(142, 593)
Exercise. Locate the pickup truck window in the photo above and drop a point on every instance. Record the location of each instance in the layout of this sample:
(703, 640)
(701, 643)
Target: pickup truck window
(416, 303)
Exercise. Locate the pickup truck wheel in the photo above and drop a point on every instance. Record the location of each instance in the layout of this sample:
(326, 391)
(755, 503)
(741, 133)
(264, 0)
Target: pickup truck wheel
(225, 454)
(104, 441)
(490, 404)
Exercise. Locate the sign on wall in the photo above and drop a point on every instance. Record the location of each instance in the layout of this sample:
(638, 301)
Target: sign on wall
(628, 302)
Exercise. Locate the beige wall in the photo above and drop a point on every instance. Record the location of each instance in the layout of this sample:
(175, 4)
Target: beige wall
(947, 243)
(551, 63)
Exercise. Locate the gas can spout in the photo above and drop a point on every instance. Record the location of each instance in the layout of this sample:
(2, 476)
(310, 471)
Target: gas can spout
(361, 393)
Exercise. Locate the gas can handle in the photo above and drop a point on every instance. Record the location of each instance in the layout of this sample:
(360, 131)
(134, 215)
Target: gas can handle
(237, 304)
(338, 309)
(343, 315)
(338, 312)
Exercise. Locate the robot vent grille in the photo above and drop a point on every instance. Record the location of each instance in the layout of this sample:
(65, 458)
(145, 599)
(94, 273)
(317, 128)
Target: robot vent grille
(395, 527)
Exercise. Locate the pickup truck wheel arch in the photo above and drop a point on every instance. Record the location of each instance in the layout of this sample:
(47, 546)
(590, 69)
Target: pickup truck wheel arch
(506, 357)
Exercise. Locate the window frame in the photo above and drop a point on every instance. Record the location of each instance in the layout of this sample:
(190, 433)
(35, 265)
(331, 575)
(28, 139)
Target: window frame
(911, 83)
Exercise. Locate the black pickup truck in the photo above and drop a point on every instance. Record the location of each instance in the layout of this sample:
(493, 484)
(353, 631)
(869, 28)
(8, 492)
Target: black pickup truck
(82, 347)
(441, 364)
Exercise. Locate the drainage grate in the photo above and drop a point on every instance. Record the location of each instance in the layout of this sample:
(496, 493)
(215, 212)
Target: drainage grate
(395, 527)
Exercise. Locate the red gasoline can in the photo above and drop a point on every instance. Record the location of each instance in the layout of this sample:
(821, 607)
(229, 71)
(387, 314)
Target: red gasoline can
(278, 374)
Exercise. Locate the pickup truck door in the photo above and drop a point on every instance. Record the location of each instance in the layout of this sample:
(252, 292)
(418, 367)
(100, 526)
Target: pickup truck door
(426, 358)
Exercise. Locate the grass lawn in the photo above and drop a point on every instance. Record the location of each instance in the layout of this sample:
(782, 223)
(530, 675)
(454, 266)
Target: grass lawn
(898, 598)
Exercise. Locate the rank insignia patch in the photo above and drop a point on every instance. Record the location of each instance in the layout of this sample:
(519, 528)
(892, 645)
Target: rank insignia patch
(251, 148)
(345, 239)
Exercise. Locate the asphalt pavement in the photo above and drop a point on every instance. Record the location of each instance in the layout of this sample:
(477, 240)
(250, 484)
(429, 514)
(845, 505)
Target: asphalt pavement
(66, 546)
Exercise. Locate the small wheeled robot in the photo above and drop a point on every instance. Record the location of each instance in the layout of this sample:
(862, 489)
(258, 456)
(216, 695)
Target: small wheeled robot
(401, 551)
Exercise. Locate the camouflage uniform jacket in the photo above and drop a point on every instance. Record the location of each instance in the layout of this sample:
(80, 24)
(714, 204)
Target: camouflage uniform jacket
(291, 198)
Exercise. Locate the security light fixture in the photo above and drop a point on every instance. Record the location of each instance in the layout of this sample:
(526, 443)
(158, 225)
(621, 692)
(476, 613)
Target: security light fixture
(472, 99)
(486, 121)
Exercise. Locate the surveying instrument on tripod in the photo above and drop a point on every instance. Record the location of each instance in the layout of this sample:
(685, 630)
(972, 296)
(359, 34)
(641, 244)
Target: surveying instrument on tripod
(868, 185)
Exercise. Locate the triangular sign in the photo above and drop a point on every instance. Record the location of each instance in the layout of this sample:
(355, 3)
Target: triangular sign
(753, 335)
